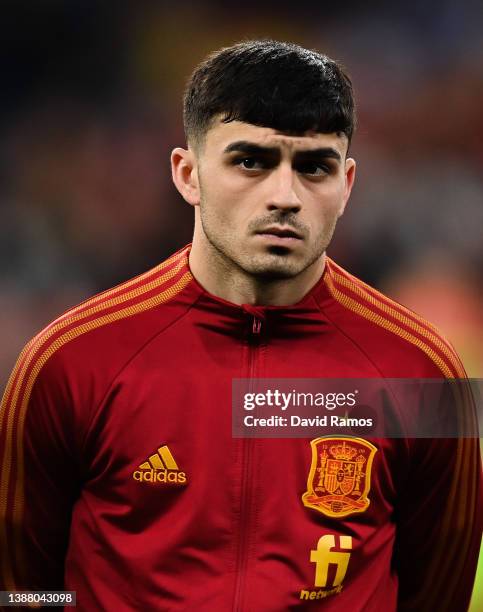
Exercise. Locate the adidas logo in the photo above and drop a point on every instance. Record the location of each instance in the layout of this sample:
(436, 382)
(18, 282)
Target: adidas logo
(160, 467)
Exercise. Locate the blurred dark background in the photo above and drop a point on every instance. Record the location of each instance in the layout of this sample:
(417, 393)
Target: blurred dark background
(90, 107)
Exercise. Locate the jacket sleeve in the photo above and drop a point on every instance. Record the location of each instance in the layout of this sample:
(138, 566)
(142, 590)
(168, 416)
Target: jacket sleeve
(39, 475)
(439, 523)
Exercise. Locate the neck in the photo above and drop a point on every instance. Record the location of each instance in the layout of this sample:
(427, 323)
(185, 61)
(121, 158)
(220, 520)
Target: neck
(225, 279)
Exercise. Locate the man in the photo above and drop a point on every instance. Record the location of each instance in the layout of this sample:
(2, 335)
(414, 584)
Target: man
(120, 476)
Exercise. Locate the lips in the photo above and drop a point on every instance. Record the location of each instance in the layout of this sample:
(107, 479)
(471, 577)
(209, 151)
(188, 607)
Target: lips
(281, 232)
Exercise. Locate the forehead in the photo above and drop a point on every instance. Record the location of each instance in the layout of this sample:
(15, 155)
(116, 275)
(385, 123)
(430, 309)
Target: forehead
(220, 135)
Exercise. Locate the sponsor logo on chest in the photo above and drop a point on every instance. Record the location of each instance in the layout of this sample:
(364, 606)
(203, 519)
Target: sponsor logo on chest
(160, 467)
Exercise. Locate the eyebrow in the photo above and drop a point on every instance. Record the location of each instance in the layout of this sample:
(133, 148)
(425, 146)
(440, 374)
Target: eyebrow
(250, 148)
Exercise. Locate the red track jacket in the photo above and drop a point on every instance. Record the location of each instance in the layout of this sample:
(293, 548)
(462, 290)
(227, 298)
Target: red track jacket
(120, 478)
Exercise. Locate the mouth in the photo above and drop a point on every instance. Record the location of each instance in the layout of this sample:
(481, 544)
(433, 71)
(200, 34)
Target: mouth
(279, 234)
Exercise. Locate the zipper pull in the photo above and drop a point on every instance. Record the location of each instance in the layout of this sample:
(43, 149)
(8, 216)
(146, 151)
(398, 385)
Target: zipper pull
(257, 314)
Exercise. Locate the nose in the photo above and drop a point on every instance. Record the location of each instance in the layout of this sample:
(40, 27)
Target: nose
(282, 194)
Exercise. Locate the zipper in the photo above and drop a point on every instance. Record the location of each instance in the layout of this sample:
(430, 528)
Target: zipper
(246, 491)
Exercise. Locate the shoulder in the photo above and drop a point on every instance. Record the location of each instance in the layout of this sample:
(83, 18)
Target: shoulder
(97, 336)
(399, 341)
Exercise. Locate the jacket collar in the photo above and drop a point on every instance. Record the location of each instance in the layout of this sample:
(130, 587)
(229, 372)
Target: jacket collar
(309, 307)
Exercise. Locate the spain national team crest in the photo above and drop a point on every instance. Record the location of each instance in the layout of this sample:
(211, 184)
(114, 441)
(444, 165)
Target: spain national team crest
(340, 476)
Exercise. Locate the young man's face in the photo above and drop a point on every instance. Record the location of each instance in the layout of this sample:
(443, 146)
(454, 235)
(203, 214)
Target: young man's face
(269, 202)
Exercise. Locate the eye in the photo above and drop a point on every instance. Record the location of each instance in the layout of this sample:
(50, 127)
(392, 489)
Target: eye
(313, 168)
(250, 163)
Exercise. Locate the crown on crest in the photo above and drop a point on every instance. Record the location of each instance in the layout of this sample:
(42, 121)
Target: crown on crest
(343, 451)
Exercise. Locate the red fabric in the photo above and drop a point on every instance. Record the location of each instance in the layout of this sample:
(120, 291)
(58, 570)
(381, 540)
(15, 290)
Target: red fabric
(234, 535)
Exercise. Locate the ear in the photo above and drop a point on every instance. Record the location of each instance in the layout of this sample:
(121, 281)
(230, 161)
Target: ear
(184, 170)
(350, 174)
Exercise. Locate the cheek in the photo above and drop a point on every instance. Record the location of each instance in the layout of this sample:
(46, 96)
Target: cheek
(231, 198)
(328, 202)
(221, 208)
(323, 206)
(218, 184)
(322, 212)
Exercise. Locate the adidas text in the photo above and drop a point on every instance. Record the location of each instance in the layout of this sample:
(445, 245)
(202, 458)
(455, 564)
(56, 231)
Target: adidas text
(165, 476)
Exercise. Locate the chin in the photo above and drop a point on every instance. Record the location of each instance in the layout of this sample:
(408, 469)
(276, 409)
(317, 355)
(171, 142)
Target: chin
(279, 263)
(272, 274)
(274, 269)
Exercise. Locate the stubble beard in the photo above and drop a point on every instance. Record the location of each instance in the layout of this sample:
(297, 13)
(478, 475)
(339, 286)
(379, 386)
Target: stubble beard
(276, 263)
